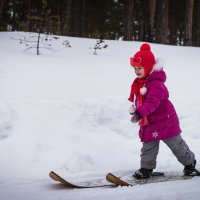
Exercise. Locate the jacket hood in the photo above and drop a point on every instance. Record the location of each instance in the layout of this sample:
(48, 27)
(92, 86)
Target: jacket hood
(157, 75)
(157, 72)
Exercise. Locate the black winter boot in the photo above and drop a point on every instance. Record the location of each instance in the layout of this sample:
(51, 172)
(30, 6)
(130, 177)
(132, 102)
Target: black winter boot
(143, 173)
(189, 170)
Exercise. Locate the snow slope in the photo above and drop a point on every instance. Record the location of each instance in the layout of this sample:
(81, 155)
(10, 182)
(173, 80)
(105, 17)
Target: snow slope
(67, 110)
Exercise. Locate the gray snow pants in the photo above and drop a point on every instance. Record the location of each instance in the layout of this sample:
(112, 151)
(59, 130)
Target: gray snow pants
(177, 145)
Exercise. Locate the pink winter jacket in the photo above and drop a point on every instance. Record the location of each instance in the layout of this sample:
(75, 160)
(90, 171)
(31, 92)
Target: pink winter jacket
(160, 112)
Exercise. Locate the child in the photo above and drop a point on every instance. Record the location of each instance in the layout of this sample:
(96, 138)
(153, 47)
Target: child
(156, 115)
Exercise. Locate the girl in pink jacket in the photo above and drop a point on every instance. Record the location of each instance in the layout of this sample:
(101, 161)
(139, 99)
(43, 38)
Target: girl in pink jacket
(156, 115)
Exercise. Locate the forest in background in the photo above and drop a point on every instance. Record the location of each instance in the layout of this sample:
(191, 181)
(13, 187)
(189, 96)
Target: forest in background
(174, 22)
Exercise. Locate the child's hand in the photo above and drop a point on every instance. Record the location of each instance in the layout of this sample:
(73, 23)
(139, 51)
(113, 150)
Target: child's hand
(132, 110)
(135, 118)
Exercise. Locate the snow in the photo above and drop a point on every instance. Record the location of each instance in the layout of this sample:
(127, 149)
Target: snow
(67, 110)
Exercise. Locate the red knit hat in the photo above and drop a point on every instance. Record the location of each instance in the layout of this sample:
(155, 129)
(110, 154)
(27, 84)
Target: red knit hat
(144, 58)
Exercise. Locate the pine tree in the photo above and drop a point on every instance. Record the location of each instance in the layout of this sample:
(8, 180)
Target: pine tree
(99, 45)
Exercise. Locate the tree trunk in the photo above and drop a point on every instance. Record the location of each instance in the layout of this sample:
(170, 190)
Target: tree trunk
(29, 14)
(66, 17)
(188, 22)
(198, 25)
(129, 20)
(161, 21)
(172, 23)
(152, 8)
(1, 6)
(1, 13)
(165, 23)
(78, 18)
(38, 44)
(82, 18)
(144, 21)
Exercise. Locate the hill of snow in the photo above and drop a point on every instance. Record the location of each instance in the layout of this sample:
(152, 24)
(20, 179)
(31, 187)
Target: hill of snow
(67, 110)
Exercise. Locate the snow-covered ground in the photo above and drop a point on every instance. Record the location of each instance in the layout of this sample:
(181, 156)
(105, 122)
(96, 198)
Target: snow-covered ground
(67, 110)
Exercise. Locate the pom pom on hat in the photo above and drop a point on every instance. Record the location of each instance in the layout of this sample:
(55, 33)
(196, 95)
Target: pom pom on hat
(144, 58)
(145, 47)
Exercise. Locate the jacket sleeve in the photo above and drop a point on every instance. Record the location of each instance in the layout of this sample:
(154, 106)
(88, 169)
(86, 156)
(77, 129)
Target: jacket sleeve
(152, 100)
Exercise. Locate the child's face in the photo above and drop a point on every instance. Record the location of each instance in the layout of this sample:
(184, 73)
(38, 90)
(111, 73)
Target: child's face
(139, 71)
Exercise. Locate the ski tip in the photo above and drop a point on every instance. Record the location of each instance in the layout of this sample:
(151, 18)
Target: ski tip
(116, 180)
(53, 175)
(51, 172)
(56, 177)
(109, 174)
